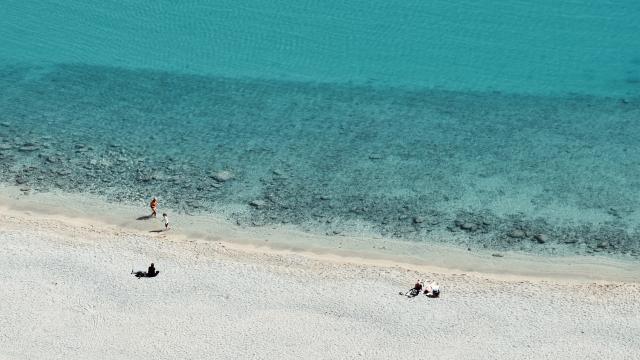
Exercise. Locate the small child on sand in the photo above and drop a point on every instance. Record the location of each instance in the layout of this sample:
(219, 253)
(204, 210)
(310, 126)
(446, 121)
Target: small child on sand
(165, 219)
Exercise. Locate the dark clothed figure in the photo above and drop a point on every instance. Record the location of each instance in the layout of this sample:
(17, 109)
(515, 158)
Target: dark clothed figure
(416, 289)
(151, 272)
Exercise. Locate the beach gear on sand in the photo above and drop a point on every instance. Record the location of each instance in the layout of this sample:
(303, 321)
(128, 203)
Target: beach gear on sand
(409, 293)
(415, 291)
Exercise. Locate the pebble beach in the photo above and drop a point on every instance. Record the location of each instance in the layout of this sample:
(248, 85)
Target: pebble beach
(68, 293)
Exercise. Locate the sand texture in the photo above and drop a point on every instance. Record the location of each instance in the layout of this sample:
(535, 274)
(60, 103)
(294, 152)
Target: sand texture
(67, 293)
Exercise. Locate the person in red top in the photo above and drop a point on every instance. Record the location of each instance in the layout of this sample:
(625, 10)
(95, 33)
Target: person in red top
(154, 207)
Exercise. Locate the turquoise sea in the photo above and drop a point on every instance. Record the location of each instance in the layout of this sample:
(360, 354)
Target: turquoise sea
(511, 125)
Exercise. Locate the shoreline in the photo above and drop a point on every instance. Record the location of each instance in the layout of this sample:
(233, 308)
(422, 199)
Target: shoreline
(68, 293)
(73, 209)
(335, 176)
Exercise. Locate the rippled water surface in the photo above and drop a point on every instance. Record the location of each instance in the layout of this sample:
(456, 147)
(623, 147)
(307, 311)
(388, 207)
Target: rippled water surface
(544, 46)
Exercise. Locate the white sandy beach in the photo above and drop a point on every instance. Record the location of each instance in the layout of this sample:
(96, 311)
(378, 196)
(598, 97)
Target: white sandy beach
(67, 293)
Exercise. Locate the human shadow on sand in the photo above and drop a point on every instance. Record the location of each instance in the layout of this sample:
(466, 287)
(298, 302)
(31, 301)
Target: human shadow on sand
(141, 274)
(146, 217)
(156, 231)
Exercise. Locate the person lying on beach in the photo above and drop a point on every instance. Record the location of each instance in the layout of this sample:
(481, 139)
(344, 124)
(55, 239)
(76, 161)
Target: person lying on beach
(151, 272)
(416, 289)
(154, 207)
(433, 290)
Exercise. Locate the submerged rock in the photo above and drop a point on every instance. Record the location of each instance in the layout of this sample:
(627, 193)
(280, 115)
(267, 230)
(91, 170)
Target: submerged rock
(52, 159)
(468, 226)
(222, 176)
(28, 147)
(541, 238)
(516, 234)
(258, 203)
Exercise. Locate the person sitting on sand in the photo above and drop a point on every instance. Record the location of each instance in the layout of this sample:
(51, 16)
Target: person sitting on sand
(151, 272)
(433, 290)
(416, 289)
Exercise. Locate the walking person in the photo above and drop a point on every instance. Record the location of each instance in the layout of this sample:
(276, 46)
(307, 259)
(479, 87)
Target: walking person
(165, 219)
(154, 207)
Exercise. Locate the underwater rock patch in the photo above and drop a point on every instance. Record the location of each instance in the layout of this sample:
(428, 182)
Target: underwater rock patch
(258, 203)
(468, 226)
(516, 234)
(541, 238)
(222, 176)
(310, 167)
(28, 147)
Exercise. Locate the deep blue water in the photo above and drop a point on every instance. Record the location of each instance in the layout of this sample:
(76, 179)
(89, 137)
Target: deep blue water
(493, 122)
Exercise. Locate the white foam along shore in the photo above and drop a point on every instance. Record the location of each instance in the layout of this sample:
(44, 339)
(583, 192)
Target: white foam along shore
(68, 293)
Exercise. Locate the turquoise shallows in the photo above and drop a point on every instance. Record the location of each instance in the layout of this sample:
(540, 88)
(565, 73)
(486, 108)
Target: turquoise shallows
(488, 122)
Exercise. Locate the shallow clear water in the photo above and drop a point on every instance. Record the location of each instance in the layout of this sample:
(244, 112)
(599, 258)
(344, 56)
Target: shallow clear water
(495, 123)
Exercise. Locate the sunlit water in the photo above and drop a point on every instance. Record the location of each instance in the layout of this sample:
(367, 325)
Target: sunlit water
(515, 125)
